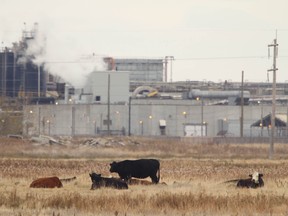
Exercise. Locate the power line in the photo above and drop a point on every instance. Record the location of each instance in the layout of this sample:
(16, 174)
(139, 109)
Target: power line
(175, 59)
(224, 57)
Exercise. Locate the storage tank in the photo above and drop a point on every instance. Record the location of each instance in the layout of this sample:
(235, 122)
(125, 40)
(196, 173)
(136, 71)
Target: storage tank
(235, 96)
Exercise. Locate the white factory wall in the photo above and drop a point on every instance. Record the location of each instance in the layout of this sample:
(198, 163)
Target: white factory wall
(97, 85)
(91, 119)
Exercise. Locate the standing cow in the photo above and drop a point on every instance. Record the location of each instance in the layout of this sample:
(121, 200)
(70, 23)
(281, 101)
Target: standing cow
(141, 168)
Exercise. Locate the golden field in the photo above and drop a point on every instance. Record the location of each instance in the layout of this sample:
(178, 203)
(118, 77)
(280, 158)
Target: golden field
(194, 174)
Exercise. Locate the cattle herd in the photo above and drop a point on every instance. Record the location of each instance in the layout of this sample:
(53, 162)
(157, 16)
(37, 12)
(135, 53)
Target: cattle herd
(130, 171)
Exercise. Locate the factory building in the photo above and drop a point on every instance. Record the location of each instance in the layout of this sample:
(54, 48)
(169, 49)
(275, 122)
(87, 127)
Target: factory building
(141, 69)
(20, 77)
(132, 97)
(106, 86)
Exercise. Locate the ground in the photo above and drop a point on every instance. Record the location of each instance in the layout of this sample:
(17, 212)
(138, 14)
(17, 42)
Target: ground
(194, 177)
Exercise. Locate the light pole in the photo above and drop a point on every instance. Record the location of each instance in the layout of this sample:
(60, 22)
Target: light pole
(202, 117)
(202, 114)
(224, 120)
(184, 113)
(95, 127)
(48, 122)
(150, 118)
(261, 122)
(141, 124)
(117, 119)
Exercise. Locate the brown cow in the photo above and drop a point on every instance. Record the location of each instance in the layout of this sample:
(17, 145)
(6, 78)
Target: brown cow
(49, 182)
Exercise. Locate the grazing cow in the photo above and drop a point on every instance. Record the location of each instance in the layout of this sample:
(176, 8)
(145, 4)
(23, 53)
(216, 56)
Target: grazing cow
(98, 181)
(254, 181)
(142, 168)
(50, 182)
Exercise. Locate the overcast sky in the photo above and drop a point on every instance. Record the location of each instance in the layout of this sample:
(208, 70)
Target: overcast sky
(212, 40)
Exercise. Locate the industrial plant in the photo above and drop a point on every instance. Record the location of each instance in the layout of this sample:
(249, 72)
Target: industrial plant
(129, 97)
(21, 77)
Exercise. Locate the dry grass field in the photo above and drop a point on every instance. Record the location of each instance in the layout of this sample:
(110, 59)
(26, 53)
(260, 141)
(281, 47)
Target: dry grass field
(194, 177)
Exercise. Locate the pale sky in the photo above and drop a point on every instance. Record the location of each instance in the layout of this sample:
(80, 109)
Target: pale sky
(212, 40)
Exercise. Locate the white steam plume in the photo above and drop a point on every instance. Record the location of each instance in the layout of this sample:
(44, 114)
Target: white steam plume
(62, 58)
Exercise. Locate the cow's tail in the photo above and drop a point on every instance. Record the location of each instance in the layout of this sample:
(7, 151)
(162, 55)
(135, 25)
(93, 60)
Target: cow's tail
(158, 174)
(68, 179)
(232, 181)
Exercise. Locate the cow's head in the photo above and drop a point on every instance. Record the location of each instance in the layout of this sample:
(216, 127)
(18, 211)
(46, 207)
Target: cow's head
(113, 167)
(255, 177)
(95, 177)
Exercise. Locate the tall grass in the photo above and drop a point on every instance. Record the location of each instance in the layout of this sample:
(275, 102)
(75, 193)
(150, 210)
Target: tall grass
(165, 202)
(194, 175)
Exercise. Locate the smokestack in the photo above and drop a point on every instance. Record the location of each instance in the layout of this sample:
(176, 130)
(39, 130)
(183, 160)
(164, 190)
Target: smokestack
(110, 62)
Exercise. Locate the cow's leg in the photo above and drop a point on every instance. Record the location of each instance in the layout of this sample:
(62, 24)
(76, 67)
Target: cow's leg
(154, 179)
(125, 178)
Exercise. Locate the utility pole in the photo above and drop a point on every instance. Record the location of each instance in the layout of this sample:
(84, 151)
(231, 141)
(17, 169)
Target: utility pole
(274, 69)
(242, 107)
(202, 116)
(38, 80)
(165, 69)
(129, 120)
(108, 105)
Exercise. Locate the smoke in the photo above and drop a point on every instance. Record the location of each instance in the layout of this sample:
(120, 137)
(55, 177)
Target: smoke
(63, 57)
(35, 50)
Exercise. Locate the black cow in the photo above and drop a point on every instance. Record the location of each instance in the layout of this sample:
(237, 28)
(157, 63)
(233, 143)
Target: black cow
(141, 168)
(254, 181)
(98, 181)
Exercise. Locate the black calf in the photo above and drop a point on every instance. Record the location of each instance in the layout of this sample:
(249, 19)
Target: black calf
(254, 181)
(98, 182)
